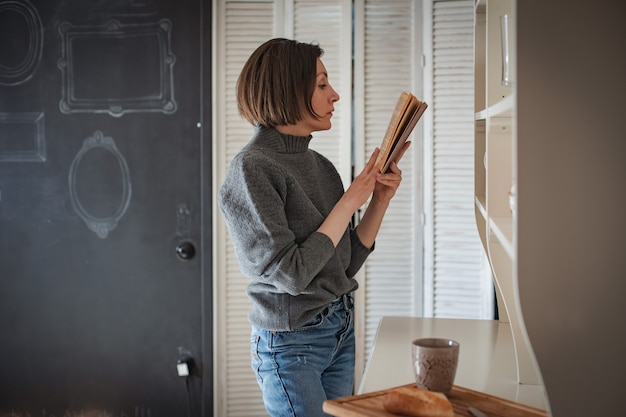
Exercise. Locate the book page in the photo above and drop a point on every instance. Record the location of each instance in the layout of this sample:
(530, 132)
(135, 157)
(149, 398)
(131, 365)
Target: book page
(417, 114)
(406, 114)
(386, 145)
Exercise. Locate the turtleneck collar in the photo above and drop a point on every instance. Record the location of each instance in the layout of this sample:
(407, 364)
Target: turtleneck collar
(270, 138)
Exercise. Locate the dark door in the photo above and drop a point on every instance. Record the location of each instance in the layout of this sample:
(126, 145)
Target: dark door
(105, 208)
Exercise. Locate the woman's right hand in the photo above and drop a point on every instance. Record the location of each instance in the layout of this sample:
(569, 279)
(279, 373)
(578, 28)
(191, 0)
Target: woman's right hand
(363, 185)
(355, 196)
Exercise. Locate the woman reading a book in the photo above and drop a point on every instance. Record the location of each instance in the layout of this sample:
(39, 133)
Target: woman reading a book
(290, 223)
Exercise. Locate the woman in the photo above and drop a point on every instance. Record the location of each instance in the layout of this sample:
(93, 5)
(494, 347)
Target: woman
(290, 223)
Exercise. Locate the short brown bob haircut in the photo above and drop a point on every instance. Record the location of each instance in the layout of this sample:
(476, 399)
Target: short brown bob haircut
(276, 84)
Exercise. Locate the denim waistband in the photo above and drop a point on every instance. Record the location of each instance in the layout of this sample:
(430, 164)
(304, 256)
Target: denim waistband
(346, 300)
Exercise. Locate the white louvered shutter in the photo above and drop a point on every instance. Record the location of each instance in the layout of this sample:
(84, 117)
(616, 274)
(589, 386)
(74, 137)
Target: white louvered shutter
(328, 23)
(240, 27)
(457, 282)
(437, 270)
(386, 52)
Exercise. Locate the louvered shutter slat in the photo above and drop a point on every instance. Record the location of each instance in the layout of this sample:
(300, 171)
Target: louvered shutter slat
(390, 273)
(459, 274)
(246, 25)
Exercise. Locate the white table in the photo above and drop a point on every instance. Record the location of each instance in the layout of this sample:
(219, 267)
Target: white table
(486, 359)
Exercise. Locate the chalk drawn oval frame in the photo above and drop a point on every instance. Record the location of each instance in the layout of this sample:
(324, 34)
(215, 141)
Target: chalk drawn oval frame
(100, 225)
(19, 74)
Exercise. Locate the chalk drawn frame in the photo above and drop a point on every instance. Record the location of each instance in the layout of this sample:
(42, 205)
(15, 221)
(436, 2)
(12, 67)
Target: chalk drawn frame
(162, 101)
(24, 70)
(34, 121)
(100, 225)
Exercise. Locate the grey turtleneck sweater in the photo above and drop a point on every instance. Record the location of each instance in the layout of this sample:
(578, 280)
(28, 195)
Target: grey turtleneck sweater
(276, 194)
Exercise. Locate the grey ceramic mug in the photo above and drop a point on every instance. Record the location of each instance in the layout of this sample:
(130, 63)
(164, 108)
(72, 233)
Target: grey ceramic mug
(434, 363)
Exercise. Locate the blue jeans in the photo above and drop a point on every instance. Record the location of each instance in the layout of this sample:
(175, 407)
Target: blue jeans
(298, 370)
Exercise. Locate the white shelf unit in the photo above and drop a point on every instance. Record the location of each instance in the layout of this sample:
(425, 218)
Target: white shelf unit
(495, 166)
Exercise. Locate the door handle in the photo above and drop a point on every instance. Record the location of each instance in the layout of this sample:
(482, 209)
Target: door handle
(185, 250)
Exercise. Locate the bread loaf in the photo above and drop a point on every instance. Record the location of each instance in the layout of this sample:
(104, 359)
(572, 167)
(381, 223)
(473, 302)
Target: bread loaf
(415, 402)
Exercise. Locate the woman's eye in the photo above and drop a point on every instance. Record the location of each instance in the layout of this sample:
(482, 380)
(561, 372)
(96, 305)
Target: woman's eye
(322, 86)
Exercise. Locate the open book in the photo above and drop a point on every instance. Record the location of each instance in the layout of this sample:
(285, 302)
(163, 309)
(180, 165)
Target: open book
(407, 112)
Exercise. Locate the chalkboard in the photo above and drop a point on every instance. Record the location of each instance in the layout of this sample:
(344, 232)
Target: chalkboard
(100, 187)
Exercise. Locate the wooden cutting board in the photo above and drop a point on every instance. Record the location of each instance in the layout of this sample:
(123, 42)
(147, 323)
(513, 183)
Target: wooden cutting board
(371, 405)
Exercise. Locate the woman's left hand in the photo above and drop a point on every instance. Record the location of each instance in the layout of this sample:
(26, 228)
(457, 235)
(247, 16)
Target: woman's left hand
(387, 184)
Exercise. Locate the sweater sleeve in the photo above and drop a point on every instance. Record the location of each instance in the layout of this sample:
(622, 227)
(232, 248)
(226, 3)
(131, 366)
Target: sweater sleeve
(359, 254)
(253, 201)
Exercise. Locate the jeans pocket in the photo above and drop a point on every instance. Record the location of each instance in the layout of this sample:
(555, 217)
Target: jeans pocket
(255, 359)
